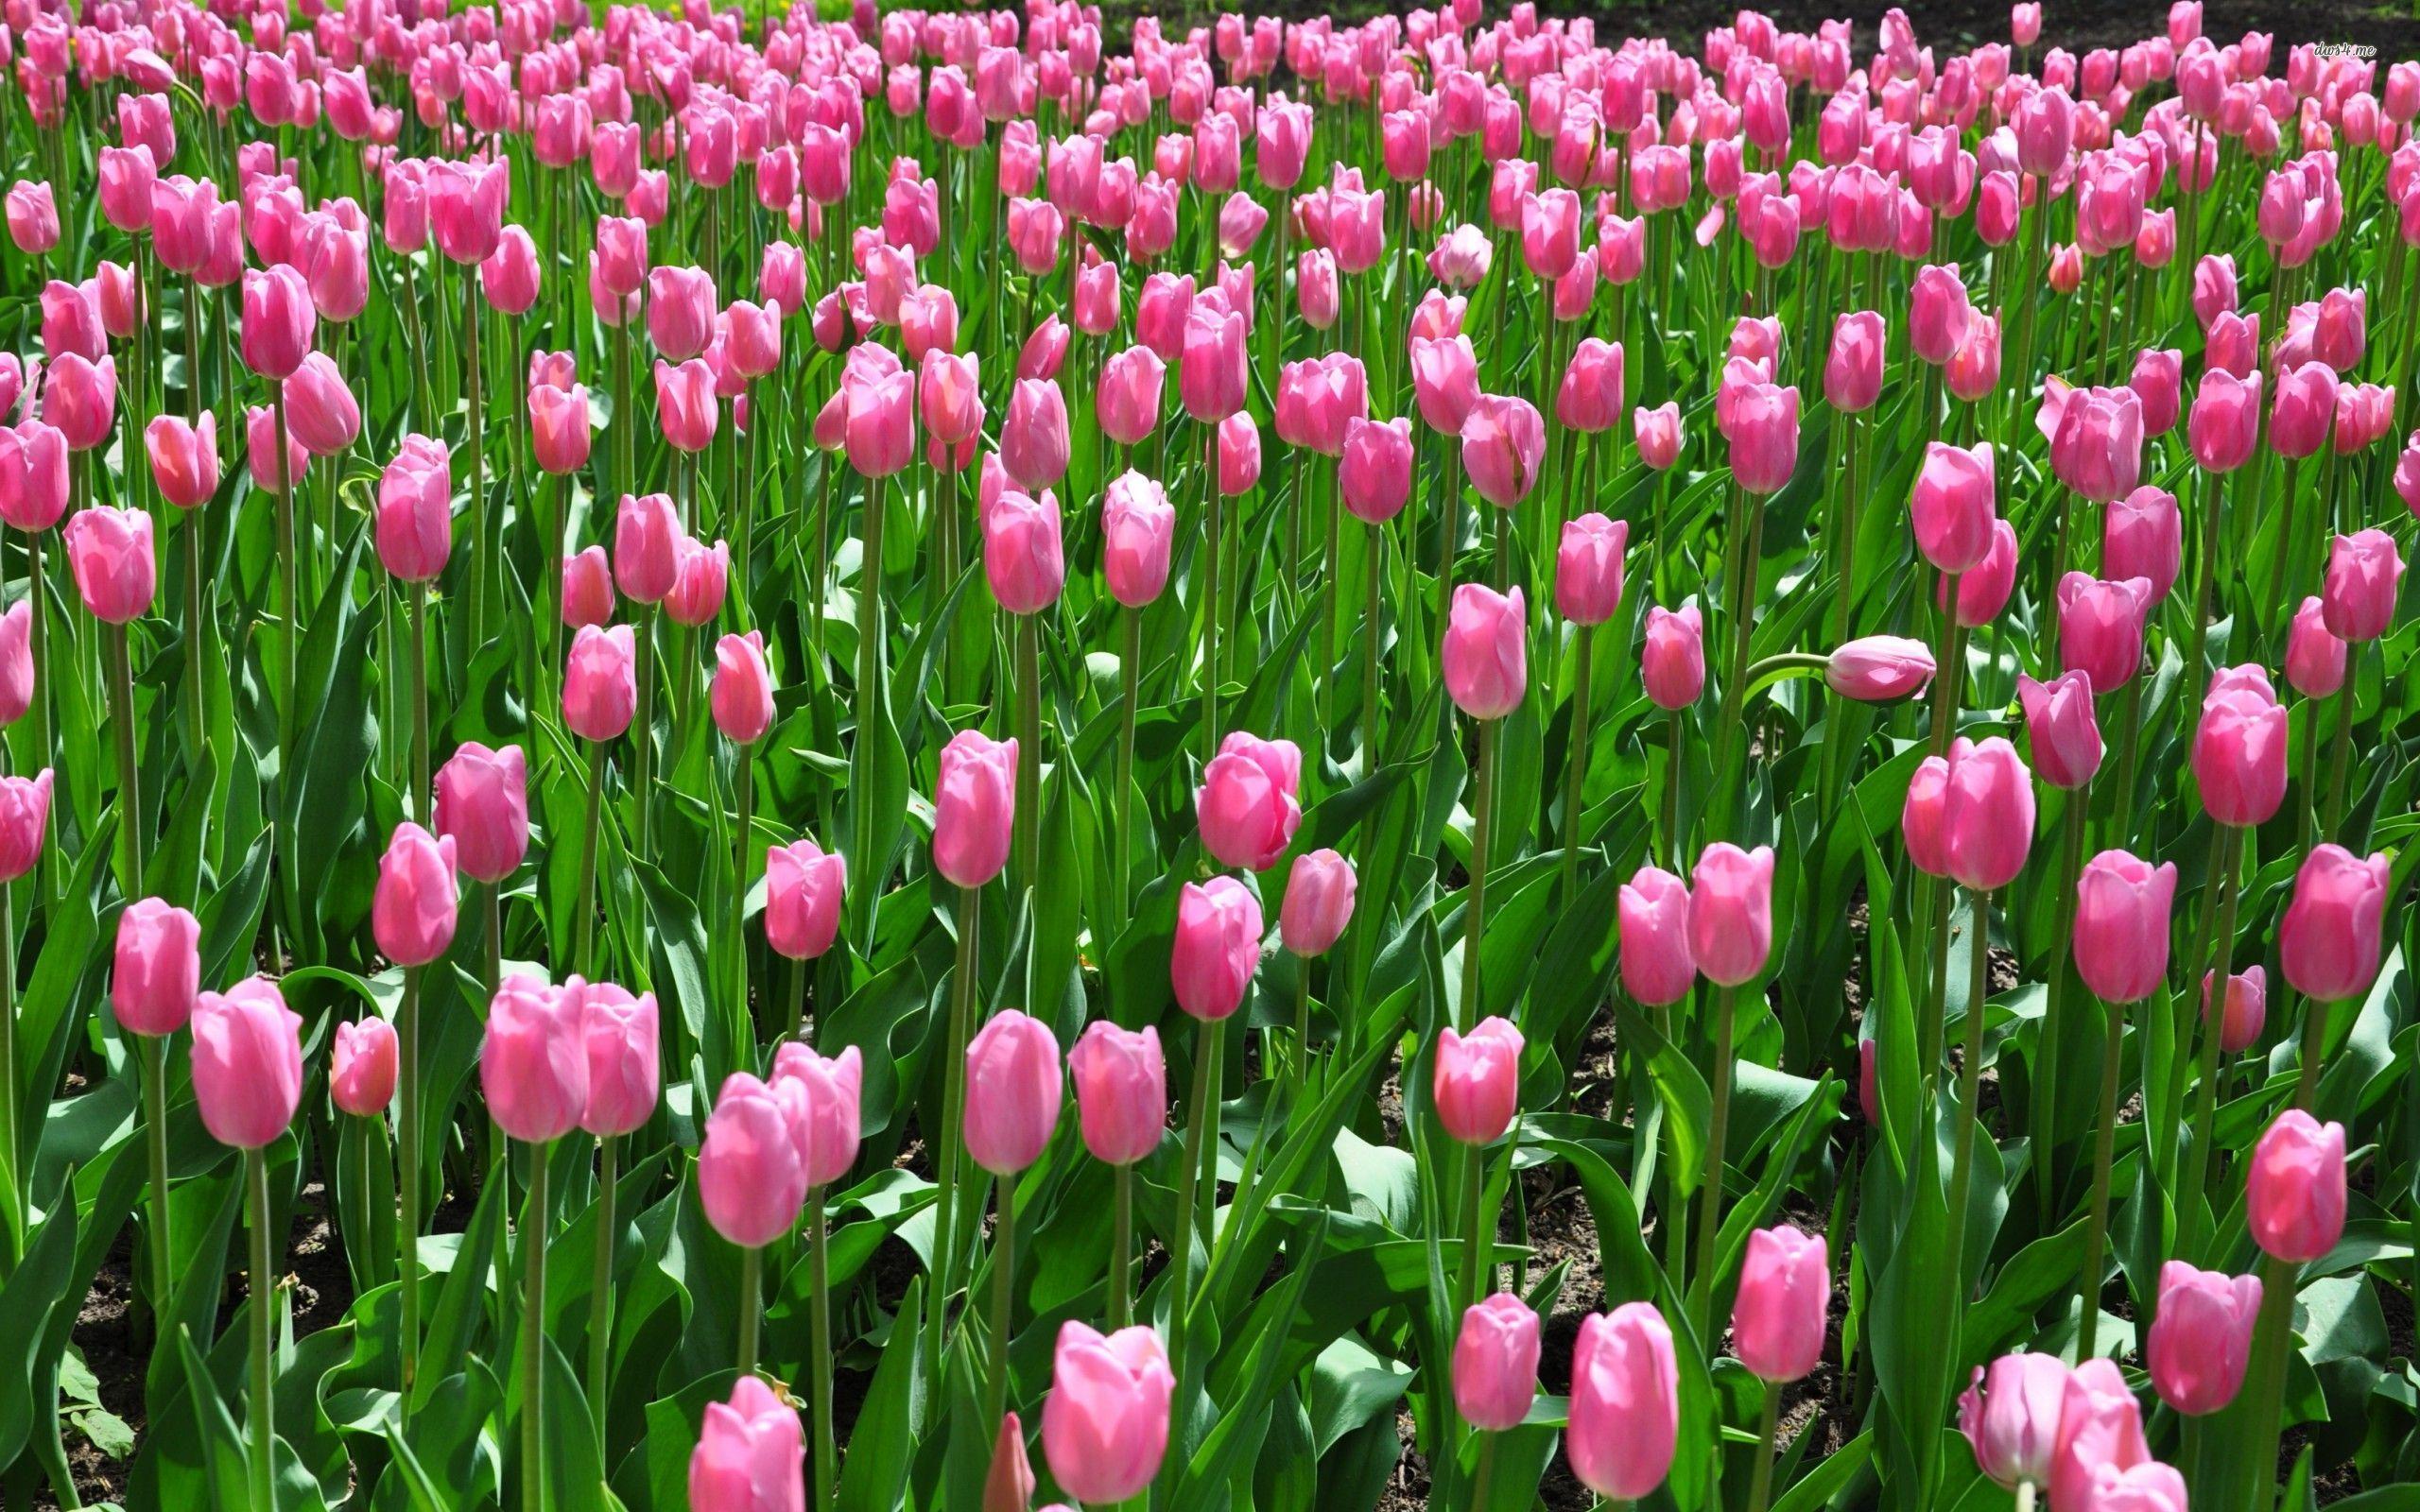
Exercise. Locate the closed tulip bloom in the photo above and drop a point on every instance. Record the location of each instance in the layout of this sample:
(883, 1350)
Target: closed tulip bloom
(1590, 396)
(1105, 1424)
(1013, 1089)
(24, 814)
(750, 1454)
(1128, 395)
(2327, 943)
(414, 909)
(1656, 964)
(2304, 410)
(697, 589)
(2225, 423)
(2245, 1010)
(618, 1036)
(1318, 903)
(1921, 811)
(804, 886)
(2294, 1198)
(361, 1071)
(560, 428)
(184, 458)
(2010, 1414)
(16, 662)
(973, 807)
(2059, 722)
(1217, 946)
(1588, 569)
(1374, 474)
(320, 411)
(1503, 443)
(685, 405)
(950, 397)
(742, 698)
(1730, 913)
(1021, 550)
(1987, 815)
(1974, 370)
(1034, 439)
(825, 1098)
(680, 311)
(1477, 1081)
(1938, 312)
(2099, 1425)
(750, 1181)
(2121, 925)
(1210, 378)
(1879, 668)
(1953, 508)
(415, 511)
(2200, 1337)
(1138, 530)
(483, 807)
(111, 552)
(33, 217)
(1625, 1402)
(2095, 441)
(1495, 1363)
(2239, 748)
(647, 547)
(1550, 232)
(601, 683)
(80, 397)
(1983, 589)
(2100, 627)
(587, 588)
(2149, 1487)
(2314, 657)
(279, 321)
(2143, 536)
(879, 416)
(1762, 428)
(2364, 571)
(1121, 1092)
(1250, 800)
(156, 971)
(1852, 368)
(33, 475)
(247, 1063)
(1672, 657)
(72, 320)
(1445, 381)
(1785, 1287)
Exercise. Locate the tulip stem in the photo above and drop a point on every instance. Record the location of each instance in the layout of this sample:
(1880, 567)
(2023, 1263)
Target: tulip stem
(1371, 608)
(1760, 1484)
(1121, 1251)
(1734, 683)
(600, 1284)
(2045, 1100)
(130, 777)
(196, 617)
(869, 693)
(2205, 572)
(961, 1013)
(743, 776)
(1710, 1185)
(2025, 1492)
(2096, 1221)
(2340, 757)
(1203, 1114)
(475, 515)
(751, 1305)
(1970, 1116)
(643, 732)
(1483, 1474)
(533, 1336)
(1576, 759)
(2215, 963)
(2314, 1044)
(38, 643)
(2273, 1337)
(261, 1412)
(1671, 825)
(586, 957)
(155, 1115)
(12, 1220)
(1004, 1262)
(408, 1171)
(420, 804)
(1216, 530)
(827, 1458)
(1130, 678)
(1028, 796)
(1478, 1268)
(1474, 906)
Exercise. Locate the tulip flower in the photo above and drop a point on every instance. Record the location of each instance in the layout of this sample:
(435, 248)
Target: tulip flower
(1496, 1364)
(361, 1071)
(752, 1183)
(1672, 657)
(1249, 802)
(2329, 942)
(184, 458)
(2121, 925)
(2099, 1427)
(2239, 748)
(2200, 1337)
(2364, 572)
(1105, 1424)
(750, 1454)
(2010, 1414)
(1784, 1288)
(1879, 669)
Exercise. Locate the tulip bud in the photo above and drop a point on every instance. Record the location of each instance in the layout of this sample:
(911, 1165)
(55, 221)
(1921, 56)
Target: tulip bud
(1785, 1289)
(2327, 943)
(362, 1069)
(601, 683)
(1249, 803)
(1485, 653)
(1672, 657)
(1105, 1424)
(2245, 1010)
(2121, 925)
(1476, 1082)
(1987, 814)
(1013, 1089)
(750, 1181)
(2200, 1337)
(750, 1454)
(1879, 668)
(1318, 903)
(157, 970)
(2061, 730)
(247, 1063)
(2010, 1414)
(974, 807)
(1121, 1092)
(1495, 1363)
(2295, 1197)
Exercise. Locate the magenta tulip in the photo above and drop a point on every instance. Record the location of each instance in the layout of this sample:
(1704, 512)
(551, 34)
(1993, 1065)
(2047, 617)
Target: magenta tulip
(247, 1063)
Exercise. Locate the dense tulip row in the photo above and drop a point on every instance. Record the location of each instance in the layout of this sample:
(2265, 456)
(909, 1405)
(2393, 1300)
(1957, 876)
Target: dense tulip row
(671, 627)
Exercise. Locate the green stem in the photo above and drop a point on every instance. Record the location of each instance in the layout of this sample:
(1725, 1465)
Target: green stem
(827, 1458)
(155, 1117)
(2096, 1231)
(2226, 848)
(1028, 796)
(1970, 1117)
(1576, 761)
(2315, 1045)
(869, 689)
(129, 778)
(744, 779)
(1479, 1271)
(196, 618)
(1202, 1115)
(423, 798)
(1483, 1475)
(1004, 1263)
(2045, 1101)
(643, 735)
(1371, 610)
(407, 1172)
(945, 1158)
(600, 1285)
(2272, 1343)
(475, 515)
(533, 1336)
(1474, 908)
(751, 1306)
(2340, 758)
(261, 1411)
(1130, 678)
(587, 957)
(1670, 826)
(1760, 1485)
(2205, 572)
(1121, 1252)
(1717, 1128)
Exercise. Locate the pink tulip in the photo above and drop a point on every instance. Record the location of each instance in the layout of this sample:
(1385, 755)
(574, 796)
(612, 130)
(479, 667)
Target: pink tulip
(80, 397)
(1013, 1089)
(1121, 1092)
(2295, 1197)
(2143, 537)
(681, 306)
(247, 1063)
(804, 886)
(415, 505)
(2010, 1414)
(950, 397)
(1485, 651)
(184, 458)
(110, 551)
(156, 969)
(2096, 439)
(1477, 1081)
(16, 662)
(1953, 508)
(1316, 293)
(1938, 312)
(685, 405)
(1238, 455)
(2121, 925)
(2364, 572)
(72, 321)
(1444, 383)
(1374, 474)
(1987, 814)
(361, 1071)
(2099, 1427)
(2327, 943)
(33, 475)
(413, 909)
(1045, 352)
(750, 1181)
(1217, 946)
(601, 683)
(1318, 903)
(559, 428)
(1656, 965)
(1588, 569)
(1210, 378)
(647, 547)
(1672, 657)
(25, 812)
(1495, 1363)
(2225, 423)
(2314, 657)
(587, 588)
(1625, 1402)
(742, 696)
(1138, 529)
(1127, 394)
(2064, 734)
(508, 275)
(2304, 410)
(1249, 803)
(2100, 627)
(617, 1036)
(1034, 439)
(261, 449)
(483, 808)
(974, 807)
(1853, 369)
(750, 1454)
(320, 412)
(1105, 1424)
(825, 1100)
(1879, 668)
(1590, 396)
(1785, 1287)
(1550, 232)
(2239, 748)
(33, 217)
(2245, 1010)
(466, 207)
(277, 321)
(1730, 913)
(2200, 1337)
(1761, 423)
(1021, 550)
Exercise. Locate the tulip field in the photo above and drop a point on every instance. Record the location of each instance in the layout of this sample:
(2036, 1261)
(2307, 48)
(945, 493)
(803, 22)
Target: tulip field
(1016, 761)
